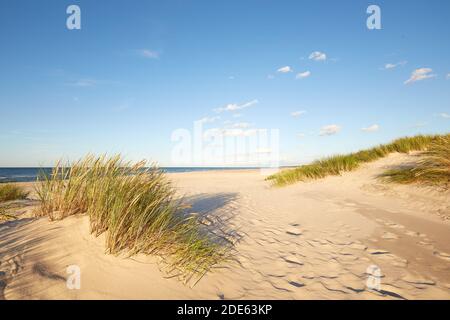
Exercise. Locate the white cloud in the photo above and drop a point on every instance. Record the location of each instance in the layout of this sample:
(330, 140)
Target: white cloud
(298, 113)
(371, 128)
(149, 54)
(302, 75)
(285, 69)
(270, 76)
(318, 56)
(448, 76)
(300, 135)
(234, 106)
(445, 115)
(234, 132)
(208, 119)
(388, 66)
(420, 74)
(330, 130)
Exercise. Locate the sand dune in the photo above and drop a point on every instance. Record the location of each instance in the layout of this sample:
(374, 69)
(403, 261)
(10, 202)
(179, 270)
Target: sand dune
(318, 240)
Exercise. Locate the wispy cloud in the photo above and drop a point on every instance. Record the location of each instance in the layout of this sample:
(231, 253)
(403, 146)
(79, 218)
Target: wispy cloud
(270, 76)
(298, 113)
(318, 56)
(301, 135)
(303, 75)
(235, 132)
(285, 69)
(371, 128)
(235, 107)
(388, 66)
(84, 83)
(420, 74)
(208, 119)
(445, 115)
(447, 76)
(330, 130)
(149, 54)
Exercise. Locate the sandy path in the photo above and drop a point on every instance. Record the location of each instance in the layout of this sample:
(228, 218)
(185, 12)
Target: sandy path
(314, 240)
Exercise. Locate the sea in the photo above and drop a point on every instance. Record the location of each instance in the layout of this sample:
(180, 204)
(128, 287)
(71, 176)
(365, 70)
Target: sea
(31, 174)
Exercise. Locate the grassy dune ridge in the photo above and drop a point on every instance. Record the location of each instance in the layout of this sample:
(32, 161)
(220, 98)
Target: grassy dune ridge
(432, 168)
(135, 207)
(336, 165)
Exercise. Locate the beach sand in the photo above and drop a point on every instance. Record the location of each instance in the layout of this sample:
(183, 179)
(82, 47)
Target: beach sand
(322, 239)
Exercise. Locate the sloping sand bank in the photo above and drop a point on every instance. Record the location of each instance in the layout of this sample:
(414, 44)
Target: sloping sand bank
(315, 240)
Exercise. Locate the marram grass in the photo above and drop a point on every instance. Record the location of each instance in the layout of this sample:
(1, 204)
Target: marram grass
(135, 207)
(433, 168)
(10, 192)
(4, 216)
(336, 165)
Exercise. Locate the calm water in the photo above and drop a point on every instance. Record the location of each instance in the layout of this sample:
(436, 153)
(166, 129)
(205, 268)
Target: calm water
(30, 174)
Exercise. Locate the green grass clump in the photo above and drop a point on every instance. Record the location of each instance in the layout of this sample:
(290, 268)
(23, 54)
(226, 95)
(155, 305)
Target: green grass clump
(433, 168)
(135, 207)
(336, 165)
(10, 192)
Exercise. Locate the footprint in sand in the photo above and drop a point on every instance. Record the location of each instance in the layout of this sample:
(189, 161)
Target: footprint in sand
(394, 260)
(292, 259)
(15, 265)
(377, 251)
(395, 225)
(294, 231)
(358, 246)
(352, 282)
(339, 242)
(296, 284)
(415, 279)
(426, 244)
(334, 286)
(442, 255)
(389, 236)
(412, 233)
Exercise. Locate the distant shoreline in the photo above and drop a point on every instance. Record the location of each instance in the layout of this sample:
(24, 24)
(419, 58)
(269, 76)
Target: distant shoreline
(29, 174)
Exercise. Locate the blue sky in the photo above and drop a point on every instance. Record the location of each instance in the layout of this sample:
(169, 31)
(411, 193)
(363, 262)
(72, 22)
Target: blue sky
(138, 70)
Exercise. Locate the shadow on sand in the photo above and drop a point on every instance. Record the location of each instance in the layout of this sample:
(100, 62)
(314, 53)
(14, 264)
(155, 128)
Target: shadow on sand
(215, 212)
(19, 239)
